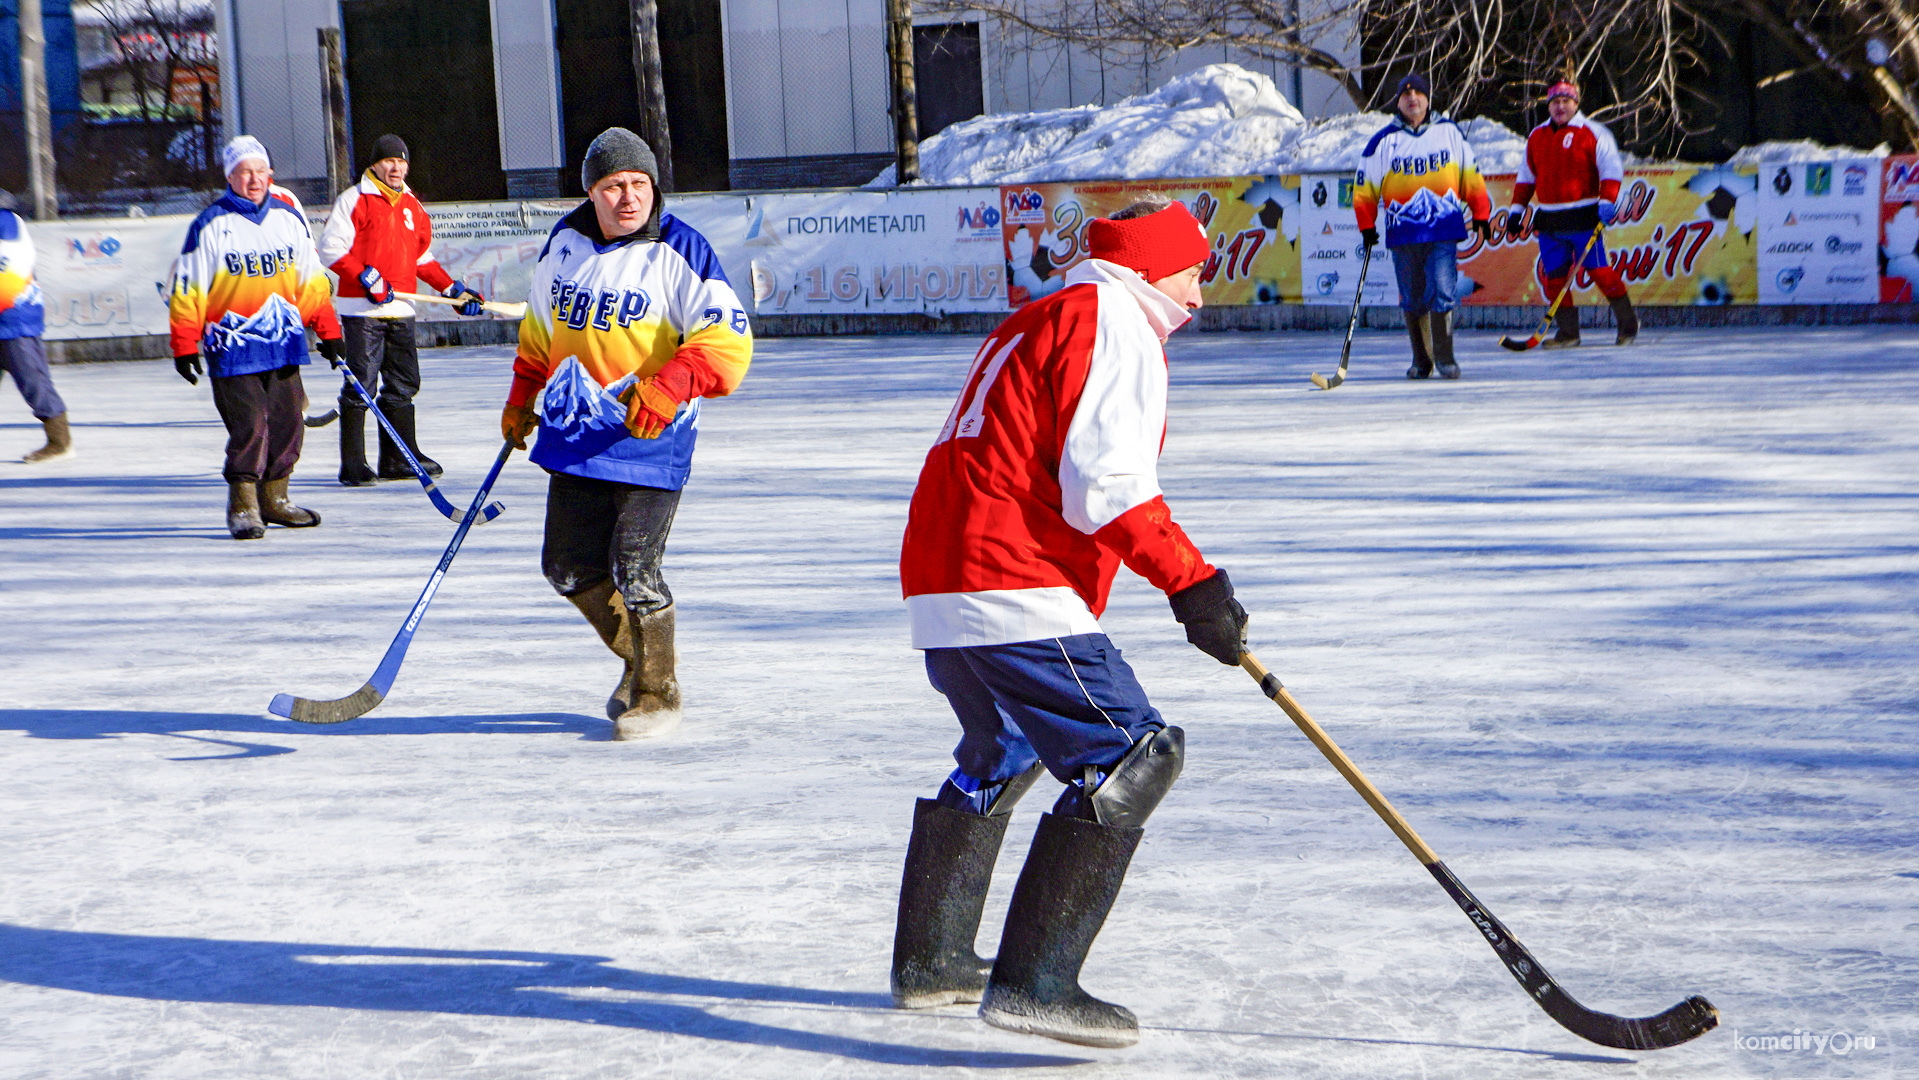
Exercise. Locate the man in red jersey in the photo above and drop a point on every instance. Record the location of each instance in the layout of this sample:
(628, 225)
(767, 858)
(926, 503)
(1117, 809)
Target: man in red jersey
(1573, 165)
(378, 239)
(1043, 480)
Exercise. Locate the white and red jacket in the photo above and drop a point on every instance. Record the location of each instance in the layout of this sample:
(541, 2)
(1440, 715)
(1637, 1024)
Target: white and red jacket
(1045, 477)
(1571, 168)
(373, 225)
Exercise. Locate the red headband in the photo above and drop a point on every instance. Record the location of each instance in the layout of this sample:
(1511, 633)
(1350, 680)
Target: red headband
(1562, 88)
(1157, 245)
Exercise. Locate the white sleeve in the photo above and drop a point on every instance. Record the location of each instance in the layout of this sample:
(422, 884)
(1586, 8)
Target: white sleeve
(1110, 461)
(1606, 154)
(1526, 164)
(337, 238)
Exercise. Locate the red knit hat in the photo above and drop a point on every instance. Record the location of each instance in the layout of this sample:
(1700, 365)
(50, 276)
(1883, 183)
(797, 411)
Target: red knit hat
(1562, 88)
(1157, 245)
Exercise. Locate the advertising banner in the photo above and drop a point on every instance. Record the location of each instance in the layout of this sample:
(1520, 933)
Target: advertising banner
(1684, 235)
(1252, 223)
(862, 252)
(490, 246)
(1899, 230)
(1330, 252)
(106, 277)
(1819, 232)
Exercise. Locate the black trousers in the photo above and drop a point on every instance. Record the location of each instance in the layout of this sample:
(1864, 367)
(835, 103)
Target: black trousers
(596, 529)
(385, 359)
(265, 414)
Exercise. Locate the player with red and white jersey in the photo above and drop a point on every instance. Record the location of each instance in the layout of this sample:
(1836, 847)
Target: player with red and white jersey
(378, 239)
(1041, 483)
(1572, 166)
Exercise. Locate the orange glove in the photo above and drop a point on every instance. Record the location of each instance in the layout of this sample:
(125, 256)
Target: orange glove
(649, 410)
(516, 423)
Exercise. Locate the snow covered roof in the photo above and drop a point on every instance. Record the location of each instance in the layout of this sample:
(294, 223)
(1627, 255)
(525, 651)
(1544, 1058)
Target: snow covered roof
(1221, 120)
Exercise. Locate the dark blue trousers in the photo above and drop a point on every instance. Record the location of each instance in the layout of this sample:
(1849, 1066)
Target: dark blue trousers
(25, 358)
(1069, 702)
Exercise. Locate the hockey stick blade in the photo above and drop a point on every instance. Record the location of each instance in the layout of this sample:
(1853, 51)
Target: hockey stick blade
(1683, 1022)
(374, 690)
(322, 419)
(433, 495)
(1352, 323)
(356, 704)
(1539, 335)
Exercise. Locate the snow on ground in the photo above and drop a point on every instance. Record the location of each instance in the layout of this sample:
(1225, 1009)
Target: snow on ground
(1221, 120)
(1627, 634)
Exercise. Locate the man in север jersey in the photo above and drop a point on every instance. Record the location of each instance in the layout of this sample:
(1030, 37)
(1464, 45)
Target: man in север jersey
(629, 323)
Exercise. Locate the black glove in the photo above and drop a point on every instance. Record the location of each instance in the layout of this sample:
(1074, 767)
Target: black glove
(189, 368)
(1484, 227)
(1515, 222)
(1214, 621)
(333, 349)
(1369, 236)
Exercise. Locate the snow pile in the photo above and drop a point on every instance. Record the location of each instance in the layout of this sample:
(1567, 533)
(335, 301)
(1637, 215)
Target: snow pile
(1221, 120)
(1785, 151)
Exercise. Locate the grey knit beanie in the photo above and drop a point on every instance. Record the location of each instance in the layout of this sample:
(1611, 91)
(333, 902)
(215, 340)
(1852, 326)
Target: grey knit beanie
(617, 150)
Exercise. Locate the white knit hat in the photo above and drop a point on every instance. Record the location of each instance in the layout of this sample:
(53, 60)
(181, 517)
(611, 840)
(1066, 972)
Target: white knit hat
(240, 149)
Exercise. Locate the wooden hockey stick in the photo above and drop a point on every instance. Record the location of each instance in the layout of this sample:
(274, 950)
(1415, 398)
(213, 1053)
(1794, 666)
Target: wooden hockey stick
(1540, 334)
(1683, 1022)
(511, 311)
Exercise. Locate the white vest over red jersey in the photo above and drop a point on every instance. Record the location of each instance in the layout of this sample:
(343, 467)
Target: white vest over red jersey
(373, 225)
(1570, 167)
(1045, 476)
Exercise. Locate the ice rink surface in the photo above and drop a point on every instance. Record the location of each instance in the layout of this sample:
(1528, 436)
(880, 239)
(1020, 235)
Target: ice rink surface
(1628, 635)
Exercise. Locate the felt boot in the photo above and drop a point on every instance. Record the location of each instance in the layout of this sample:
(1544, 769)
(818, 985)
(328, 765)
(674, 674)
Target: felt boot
(1067, 887)
(393, 464)
(353, 467)
(1625, 318)
(949, 865)
(276, 510)
(1567, 318)
(653, 693)
(1442, 335)
(1422, 355)
(243, 511)
(605, 608)
(59, 441)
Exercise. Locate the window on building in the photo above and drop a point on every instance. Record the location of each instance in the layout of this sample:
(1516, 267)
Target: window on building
(946, 72)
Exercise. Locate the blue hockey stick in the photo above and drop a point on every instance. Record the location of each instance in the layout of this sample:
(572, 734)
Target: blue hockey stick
(419, 470)
(362, 701)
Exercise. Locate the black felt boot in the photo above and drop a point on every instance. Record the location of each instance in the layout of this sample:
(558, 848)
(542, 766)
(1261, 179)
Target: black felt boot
(1422, 356)
(353, 467)
(393, 464)
(1567, 317)
(1071, 877)
(1440, 328)
(1625, 318)
(949, 865)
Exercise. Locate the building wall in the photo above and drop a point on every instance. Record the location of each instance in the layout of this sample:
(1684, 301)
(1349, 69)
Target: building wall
(808, 87)
(270, 57)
